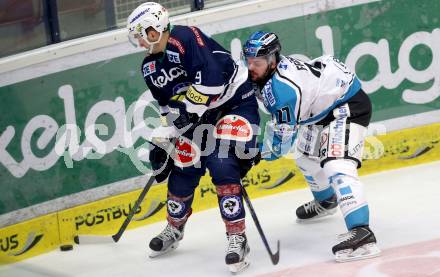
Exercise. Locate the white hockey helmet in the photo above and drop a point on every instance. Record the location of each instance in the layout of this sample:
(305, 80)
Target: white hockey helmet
(149, 14)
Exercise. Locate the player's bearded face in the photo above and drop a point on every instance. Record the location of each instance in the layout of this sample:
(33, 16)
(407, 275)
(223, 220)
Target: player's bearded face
(258, 68)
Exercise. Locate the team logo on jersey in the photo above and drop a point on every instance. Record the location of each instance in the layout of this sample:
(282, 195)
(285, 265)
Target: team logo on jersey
(149, 68)
(173, 73)
(177, 44)
(231, 206)
(340, 83)
(233, 127)
(173, 57)
(186, 153)
(195, 97)
(175, 208)
(282, 65)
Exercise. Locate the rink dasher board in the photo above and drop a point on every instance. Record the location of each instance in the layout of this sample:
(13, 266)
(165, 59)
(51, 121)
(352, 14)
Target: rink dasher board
(46, 233)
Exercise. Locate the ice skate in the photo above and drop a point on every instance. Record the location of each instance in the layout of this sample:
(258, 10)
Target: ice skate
(358, 244)
(316, 209)
(166, 241)
(237, 252)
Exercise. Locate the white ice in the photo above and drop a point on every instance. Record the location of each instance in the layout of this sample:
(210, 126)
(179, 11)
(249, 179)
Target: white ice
(404, 211)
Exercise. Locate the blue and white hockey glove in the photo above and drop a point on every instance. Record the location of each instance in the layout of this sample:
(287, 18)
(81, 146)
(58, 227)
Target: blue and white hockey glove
(277, 141)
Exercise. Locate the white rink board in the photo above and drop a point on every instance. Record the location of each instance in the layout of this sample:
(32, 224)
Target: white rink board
(404, 211)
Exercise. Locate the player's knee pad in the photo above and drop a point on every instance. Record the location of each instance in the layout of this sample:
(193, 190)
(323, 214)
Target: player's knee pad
(178, 209)
(315, 177)
(343, 177)
(230, 202)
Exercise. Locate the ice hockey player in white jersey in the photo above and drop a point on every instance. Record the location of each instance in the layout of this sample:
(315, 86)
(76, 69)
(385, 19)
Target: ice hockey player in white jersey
(321, 105)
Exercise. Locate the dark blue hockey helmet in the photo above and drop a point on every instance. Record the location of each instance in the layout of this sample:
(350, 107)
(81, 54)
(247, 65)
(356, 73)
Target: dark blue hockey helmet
(261, 44)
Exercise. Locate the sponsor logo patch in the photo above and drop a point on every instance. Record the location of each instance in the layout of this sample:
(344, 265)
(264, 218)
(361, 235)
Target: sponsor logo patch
(336, 146)
(173, 57)
(269, 98)
(139, 15)
(177, 44)
(186, 153)
(162, 80)
(233, 127)
(196, 97)
(149, 68)
(198, 36)
(231, 206)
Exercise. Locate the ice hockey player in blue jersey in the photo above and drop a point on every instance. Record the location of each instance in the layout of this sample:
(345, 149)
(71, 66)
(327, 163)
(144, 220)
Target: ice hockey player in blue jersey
(197, 83)
(321, 105)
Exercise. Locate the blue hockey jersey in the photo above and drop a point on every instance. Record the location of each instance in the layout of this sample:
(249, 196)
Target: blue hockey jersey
(193, 59)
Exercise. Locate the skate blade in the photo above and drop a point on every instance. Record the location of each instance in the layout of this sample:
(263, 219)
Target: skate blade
(154, 254)
(238, 267)
(318, 217)
(366, 251)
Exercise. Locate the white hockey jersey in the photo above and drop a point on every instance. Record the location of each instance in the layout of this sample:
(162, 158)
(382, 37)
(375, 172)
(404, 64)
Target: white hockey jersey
(303, 93)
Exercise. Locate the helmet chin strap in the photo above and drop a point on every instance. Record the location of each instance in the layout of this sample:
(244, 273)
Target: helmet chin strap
(153, 43)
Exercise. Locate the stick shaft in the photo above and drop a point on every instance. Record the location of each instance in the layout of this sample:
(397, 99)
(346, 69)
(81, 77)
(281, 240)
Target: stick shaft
(130, 215)
(274, 257)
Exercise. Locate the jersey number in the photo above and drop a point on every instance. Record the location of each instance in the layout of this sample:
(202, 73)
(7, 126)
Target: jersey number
(282, 113)
(314, 70)
(198, 79)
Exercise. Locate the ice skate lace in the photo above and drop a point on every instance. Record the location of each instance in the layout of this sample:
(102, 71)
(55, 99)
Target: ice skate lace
(169, 233)
(313, 206)
(346, 236)
(235, 243)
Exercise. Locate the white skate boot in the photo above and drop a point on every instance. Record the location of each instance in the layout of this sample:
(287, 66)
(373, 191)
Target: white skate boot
(166, 241)
(237, 252)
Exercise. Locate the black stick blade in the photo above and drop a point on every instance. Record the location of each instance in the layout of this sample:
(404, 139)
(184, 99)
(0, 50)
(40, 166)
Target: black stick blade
(276, 257)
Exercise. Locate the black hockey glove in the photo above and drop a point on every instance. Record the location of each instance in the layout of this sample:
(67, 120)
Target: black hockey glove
(179, 117)
(159, 160)
(247, 164)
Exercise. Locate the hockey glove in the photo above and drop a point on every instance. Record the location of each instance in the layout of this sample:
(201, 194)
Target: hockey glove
(247, 164)
(179, 117)
(159, 161)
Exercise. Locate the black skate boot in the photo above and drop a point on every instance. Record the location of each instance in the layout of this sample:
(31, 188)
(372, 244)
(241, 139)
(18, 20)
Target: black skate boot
(314, 209)
(166, 241)
(237, 252)
(359, 243)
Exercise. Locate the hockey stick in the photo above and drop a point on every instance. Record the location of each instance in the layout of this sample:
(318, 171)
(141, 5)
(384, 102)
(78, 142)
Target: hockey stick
(94, 239)
(274, 257)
